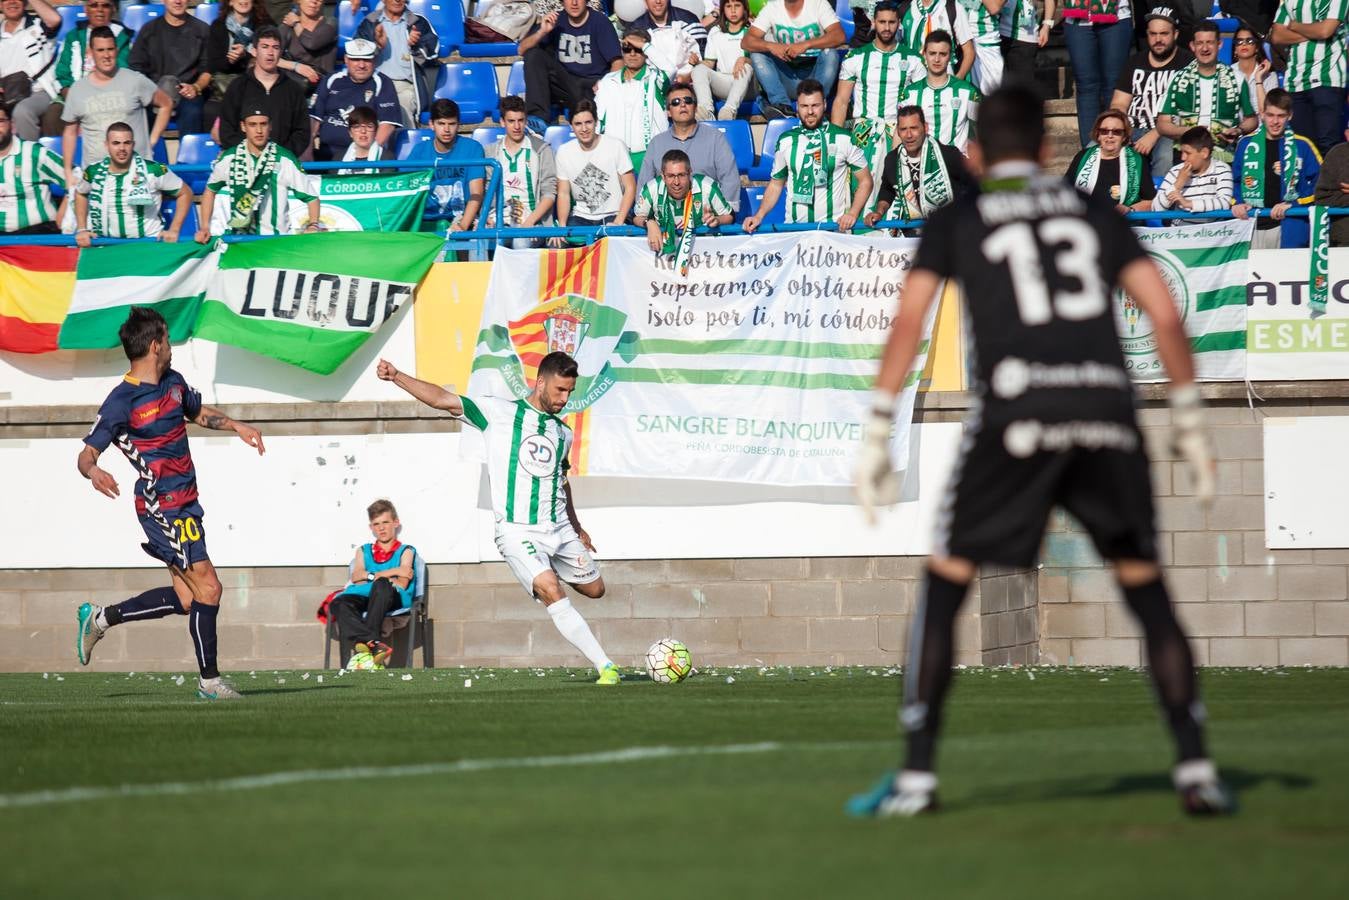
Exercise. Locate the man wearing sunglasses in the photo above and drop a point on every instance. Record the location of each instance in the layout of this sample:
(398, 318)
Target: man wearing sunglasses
(708, 150)
(631, 100)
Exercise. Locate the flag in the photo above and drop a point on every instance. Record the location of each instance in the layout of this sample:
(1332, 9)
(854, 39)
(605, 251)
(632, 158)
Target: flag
(313, 300)
(35, 287)
(1205, 268)
(1318, 276)
(172, 278)
(392, 202)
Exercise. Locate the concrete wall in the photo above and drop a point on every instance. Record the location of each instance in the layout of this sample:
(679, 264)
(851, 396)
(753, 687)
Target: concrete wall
(1243, 604)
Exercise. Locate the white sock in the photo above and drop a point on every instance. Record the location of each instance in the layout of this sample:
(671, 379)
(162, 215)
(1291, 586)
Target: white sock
(572, 626)
(101, 620)
(913, 782)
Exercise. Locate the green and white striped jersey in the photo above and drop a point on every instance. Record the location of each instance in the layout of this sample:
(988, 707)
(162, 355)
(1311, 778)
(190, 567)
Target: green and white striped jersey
(816, 165)
(526, 459)
(275, 189)
(27, 173)
(879, 79)
(983, 23)
(653, 201)
(1315, 64)
(949, 109)
(112, 212)
(1020, 21)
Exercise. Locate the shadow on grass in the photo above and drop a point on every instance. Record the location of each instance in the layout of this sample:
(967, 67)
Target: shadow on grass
(1090, 787)
(258, 691)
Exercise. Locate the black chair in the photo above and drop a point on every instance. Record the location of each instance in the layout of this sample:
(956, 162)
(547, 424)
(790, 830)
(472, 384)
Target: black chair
(414, 618)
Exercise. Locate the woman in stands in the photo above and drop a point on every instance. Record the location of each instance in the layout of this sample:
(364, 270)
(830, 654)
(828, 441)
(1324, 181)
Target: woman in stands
(1251, 62)
(229, 51)
(1109, 168)
(308, 44)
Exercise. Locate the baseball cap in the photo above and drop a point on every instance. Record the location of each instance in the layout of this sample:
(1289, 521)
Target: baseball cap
(251, 111)
(360, 48)
(1162, 12)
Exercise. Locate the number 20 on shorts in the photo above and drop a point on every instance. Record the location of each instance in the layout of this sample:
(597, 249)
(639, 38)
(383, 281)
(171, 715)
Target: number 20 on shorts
(188, 529)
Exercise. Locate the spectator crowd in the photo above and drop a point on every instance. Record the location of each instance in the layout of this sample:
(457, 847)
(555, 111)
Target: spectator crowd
(867, 110)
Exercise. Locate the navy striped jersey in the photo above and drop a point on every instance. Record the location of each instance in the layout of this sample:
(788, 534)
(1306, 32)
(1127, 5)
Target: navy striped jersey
(148, 423)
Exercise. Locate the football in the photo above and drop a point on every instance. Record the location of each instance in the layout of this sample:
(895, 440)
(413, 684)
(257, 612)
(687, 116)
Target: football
(361, 660)
(668, 661)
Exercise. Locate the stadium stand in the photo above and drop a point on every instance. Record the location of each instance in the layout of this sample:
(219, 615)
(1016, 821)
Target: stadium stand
(488, 134)
(750, 198)
(138, 15)
(208, 13)
(775, 130)
(557, 135)
(473, 86)
(196, 150)
(741, 139)
(409, 138)
(446, 17)
(190, 221)
(70, 17)
(515, 81)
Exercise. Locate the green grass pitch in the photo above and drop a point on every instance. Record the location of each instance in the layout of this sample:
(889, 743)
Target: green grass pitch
(1054, 782)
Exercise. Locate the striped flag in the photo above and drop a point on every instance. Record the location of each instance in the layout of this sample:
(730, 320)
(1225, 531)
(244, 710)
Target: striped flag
(172, 278)
(35, 288)
(1205, 267)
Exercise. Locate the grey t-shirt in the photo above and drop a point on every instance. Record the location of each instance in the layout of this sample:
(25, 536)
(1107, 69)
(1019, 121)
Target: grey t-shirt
(709, 152)
(96, 106)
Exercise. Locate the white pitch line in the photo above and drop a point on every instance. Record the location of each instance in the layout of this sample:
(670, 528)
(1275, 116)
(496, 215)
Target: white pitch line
(307, 776)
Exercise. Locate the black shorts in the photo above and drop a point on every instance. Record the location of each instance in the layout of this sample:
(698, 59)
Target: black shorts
(1011, 474)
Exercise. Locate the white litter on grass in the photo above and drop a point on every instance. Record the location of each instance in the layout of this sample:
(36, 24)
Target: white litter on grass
(1105, 679)
(281, 681)
(304, 677)
(44, 676)
(407, 677)
(730, 679)
(319, 679)
(179, 680)
(253, 674)
(1030, 674)
(59, 678)
(468, 682)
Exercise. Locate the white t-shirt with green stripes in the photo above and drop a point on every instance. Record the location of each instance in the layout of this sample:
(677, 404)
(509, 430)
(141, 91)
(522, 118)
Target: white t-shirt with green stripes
(949, 109)
(1020, 21)
(526, 459)
(1316, 64)
(286, 178)
(110, 196)
(816, 166)
(27, 173)
(879, 79)
(983, 23)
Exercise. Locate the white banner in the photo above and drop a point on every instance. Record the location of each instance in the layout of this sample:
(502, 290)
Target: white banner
(1283, 341)
(757, 368)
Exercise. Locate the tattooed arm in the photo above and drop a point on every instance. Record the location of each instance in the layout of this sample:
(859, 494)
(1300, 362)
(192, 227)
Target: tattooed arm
(212, 418)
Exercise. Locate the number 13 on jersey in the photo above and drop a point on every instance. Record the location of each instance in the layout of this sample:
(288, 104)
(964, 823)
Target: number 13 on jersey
(1075, 254)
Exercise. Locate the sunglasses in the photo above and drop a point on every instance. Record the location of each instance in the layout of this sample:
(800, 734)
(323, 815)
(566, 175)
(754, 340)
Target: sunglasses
(630, 48)
(1110, 132)
(1242, 41)
(681, 101)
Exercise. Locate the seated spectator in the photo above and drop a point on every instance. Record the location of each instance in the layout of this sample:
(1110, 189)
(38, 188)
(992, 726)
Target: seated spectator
(791, 42)
(678, 202)
(1111, 170)
(725, 72)
(110, 94)
(1250, 62)
(1210, 94)
(265, 87)
(594, 175)
(949, 103)
(1275, 169)
(76, 60)
(708, 150)
(229, 44)
(631, 101)
(923, 19)
(362, 124)
(407, 46)
(1023, 33)
(257, 178)
(1143, 86)
(924, 174)
(677, 38)
(27, 182)
(564, 57)
(1332, 189)
(171, 52)
(528, 172)
(120, 195)
(983, 16)
(383, 579)
(456, 190)
(1200, 183)
(27, 56)
(342, 92)
(308, 44)
(817, 163)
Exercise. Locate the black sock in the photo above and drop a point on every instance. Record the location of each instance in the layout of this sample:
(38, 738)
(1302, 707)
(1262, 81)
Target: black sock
(153, 604)
(201, 623)
(1172, 667)
(927, 671)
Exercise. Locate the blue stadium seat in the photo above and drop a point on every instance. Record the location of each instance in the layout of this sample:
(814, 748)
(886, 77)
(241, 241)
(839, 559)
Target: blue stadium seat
(446, 17)
(1225, 49)
(160, 152)
(557, 135)
(762, 169)
(189, 221)
(53, 144)
(348, 22)
(1227, 26)
(488, 135)
(515, 81)
(484, 50)
(208, 13)
(409, 138)
(845, 18)
(138, 15)
(751, 197)
(741, 140)
(196, 150)
(473, 86)
(70, 17)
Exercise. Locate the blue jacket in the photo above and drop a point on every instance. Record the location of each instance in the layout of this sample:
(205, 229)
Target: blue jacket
(424, 55)
(1295, 232)
(362, 588)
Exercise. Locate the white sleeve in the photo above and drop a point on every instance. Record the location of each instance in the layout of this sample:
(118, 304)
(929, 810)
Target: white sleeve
(961, 26)
(826, 14)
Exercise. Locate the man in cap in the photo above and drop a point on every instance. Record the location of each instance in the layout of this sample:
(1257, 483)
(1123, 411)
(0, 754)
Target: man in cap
(1143, 85)
(257, 176)
(341, 92)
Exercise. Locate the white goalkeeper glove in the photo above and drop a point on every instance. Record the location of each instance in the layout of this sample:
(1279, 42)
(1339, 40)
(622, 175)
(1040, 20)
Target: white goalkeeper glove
(1190, 441)
(876, 482)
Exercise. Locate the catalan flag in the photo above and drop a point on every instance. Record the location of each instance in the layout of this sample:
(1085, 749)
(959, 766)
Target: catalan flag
(36, 284)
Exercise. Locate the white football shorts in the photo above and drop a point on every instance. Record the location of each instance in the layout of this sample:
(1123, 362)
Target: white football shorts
(530, 551)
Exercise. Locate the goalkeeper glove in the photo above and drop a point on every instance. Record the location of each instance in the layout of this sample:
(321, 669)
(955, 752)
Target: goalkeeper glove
(876, 483)
(1190, 441)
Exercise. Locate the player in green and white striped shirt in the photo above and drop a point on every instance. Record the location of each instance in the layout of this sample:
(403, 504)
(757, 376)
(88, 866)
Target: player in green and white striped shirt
(1315, 33)
(817, 163)
(257, 175)
(948, 102)
(120, 195)
(537, 531)
(28, 171)
(871, 80)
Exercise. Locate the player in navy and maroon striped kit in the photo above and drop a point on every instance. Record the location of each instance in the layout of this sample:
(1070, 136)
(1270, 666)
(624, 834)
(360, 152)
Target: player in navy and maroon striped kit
(146, 418)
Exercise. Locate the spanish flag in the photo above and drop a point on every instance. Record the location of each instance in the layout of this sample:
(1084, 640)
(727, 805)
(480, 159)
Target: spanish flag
(35, 288)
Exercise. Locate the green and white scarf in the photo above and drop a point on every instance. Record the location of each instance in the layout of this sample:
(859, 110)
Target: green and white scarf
(244, 182)
(138, 191)
(1289, 168)
(1130, 174)
(934, 181)
(817, 166)
(1318, 278)
(1226, 98)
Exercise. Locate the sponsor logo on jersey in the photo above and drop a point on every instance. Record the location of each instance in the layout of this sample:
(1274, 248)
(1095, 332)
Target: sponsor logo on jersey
(538, 455)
